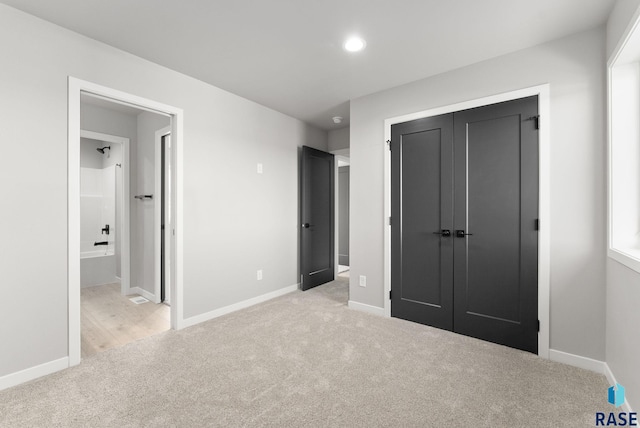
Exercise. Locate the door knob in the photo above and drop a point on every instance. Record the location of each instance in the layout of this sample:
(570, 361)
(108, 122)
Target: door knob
(462, 234)
(443, 232)
(305, 225)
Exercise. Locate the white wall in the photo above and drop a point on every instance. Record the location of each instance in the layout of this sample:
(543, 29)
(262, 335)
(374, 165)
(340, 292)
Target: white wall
(89, 156)
(574, 68)
(105, 121)
(623, 284)
(618, 21)
(339, 139)
(623, 320)
(235, 221)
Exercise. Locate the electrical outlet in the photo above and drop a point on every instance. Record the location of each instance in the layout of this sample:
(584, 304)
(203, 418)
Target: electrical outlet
(259, 168)
(259, 275)
(363, 281)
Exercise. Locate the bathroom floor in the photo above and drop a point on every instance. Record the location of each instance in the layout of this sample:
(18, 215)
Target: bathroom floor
(343, 271)
(109, 320)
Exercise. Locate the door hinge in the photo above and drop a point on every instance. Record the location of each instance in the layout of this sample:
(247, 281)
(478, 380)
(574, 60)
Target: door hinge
(389, 294)
(536, 119)
(389, 144)
(537, 224)
(389, 221)
(538, 326)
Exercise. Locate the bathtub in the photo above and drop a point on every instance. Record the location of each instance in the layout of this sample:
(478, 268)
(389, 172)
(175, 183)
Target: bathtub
(98, 267)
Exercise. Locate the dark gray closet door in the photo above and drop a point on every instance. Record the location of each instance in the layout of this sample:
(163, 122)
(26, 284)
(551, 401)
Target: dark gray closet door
(464, 241)
(422, 213)
(317, 215)
(496, 209)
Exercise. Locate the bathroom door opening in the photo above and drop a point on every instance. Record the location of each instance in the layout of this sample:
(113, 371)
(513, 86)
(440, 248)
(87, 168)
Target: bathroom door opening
(114, 315)
(79, 93)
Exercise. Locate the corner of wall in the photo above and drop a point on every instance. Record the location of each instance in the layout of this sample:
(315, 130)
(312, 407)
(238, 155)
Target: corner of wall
(620, 18)
(339, 139)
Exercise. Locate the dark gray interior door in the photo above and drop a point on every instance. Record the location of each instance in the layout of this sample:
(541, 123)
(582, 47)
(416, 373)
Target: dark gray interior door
(317, 212)
(472, 177)
(422, 216)
(496, 205)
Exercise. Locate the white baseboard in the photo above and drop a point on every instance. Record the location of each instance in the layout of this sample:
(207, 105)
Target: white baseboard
(31, 373)
(188, 322)
(144, 293)
(588, 364)
(99, 285)
(609, 374)
(366, 308)
(612, 381)
(577, 361)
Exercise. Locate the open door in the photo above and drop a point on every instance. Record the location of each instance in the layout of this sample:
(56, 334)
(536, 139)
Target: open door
(317, 215)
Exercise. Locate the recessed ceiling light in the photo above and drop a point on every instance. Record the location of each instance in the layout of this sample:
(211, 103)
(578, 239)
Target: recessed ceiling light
(354, 44)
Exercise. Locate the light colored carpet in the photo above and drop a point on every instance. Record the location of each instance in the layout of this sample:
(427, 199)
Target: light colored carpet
(306, 360)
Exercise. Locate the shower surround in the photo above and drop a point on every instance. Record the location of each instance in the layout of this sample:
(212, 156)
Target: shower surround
(98, 226)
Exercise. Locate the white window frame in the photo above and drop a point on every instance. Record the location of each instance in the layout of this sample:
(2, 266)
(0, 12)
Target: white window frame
(623, 119)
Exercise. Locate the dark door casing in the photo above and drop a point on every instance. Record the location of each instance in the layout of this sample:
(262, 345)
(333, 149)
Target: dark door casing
(464, 238)
(317, 231)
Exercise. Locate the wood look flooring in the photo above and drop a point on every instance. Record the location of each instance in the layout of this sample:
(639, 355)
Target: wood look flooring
(109, 319)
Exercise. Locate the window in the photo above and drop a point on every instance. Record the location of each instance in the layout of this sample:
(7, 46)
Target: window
(624, 151)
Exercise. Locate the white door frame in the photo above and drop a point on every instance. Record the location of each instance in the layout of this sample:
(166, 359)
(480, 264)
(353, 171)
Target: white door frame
(544, 236)
(125, 261)
(75, 88)
(157, 250)
(342, 154)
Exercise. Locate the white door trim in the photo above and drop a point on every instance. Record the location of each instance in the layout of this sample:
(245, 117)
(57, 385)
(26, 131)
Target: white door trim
(544, 237)
(75, 88)
(125, 274)
(338, 155)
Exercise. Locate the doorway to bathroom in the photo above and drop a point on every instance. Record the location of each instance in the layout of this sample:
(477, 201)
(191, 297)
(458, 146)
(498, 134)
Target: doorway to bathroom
(141, 119)
(119, 205)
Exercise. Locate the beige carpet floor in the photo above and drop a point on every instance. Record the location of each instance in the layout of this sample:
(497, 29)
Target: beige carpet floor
(306, 360)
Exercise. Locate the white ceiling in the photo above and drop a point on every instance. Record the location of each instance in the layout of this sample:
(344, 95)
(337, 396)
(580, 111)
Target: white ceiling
(287, 54)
